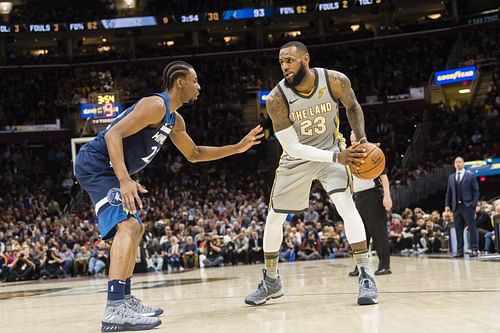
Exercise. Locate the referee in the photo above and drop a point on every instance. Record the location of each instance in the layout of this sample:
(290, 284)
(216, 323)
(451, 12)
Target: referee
(373, 199)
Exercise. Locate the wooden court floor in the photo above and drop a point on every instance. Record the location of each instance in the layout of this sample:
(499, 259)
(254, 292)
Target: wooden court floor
(422, 295)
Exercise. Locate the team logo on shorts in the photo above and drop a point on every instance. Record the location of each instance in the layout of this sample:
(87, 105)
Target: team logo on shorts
(114, 197)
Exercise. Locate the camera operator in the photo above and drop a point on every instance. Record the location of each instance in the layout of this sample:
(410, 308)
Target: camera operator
(52, 264)
(212, 251)
(23, 267)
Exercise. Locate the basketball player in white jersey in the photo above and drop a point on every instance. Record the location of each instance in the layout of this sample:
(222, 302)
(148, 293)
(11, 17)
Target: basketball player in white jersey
(304, 110)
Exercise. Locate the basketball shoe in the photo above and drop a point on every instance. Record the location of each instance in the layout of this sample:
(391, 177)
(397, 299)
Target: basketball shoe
(268, 288)
(122, 318)
(368, 293)
(135, 304)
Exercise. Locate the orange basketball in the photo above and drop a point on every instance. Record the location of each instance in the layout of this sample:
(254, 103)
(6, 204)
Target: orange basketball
(374, 162)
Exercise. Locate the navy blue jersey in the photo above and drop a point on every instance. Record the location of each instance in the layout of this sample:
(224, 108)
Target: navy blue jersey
(140, 148)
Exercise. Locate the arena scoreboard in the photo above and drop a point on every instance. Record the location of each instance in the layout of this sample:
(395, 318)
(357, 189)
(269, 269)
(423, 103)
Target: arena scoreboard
(188, 18)
(102, 108)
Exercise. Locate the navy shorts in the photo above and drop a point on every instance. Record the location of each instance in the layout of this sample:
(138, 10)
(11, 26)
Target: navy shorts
(96, 176)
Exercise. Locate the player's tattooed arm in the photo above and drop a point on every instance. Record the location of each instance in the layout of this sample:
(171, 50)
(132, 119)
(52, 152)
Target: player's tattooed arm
(278, 111)
(341, 86)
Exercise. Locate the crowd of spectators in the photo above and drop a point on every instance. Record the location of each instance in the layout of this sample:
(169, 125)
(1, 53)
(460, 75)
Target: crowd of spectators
(212, 214)
(198, 217)
(415, 231)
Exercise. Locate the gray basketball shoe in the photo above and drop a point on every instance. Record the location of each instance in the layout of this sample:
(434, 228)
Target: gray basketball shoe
(267, 289)
(121, 318)
(368, 293)
(135, 304)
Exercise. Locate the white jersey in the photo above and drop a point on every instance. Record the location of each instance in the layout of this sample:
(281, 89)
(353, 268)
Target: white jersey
(315, 119)
(361, 185)
(315, 116)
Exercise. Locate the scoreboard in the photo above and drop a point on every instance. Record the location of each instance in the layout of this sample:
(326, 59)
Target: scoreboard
(191, 18)
(102, 108)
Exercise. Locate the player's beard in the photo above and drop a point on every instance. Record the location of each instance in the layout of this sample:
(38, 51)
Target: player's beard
(297, 78)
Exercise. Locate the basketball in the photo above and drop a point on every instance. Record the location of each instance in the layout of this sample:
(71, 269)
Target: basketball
(374, 162)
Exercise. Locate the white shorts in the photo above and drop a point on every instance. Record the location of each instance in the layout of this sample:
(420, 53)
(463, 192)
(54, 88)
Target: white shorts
(293, 179)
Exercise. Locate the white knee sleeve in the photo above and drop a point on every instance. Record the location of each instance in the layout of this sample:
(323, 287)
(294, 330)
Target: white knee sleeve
(353, 225)
(273, 232)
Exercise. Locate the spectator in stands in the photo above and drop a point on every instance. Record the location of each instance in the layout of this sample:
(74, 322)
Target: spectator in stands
(189, 254)
(98, 261)
(241, 247)
(81, 261)
(67, 256)
(287, 251)
(52, 264)
(310, 248)
(23, 267)
(431, 236)
(156, 254)
(329, 246)
(255, 245)
(395, 234)
(311, 215)
(212, 251)
(484, 222)
(174, 256)
(343, 248)
(490, 237)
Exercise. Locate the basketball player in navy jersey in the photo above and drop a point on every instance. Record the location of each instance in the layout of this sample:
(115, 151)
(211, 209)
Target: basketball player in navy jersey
(303, 107)
(104, 168)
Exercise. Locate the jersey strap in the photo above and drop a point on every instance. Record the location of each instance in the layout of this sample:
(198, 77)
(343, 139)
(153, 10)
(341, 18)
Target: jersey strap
(169, 119)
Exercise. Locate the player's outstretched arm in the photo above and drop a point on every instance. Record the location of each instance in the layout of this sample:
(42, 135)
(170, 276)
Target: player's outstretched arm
(341, 86)
(289, 140)
(194, 153)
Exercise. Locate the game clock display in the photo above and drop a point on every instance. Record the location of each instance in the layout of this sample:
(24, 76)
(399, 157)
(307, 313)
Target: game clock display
(188, 18)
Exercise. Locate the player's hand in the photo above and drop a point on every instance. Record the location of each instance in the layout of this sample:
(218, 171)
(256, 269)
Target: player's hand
(130, 194)
(387, 202)
(353, 155)
(251, 139)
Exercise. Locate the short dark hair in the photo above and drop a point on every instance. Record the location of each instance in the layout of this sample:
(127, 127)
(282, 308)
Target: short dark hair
(300, 46)
(173, 71)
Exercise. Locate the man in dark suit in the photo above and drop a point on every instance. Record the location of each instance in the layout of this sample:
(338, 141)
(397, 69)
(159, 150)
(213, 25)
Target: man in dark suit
(462, 196)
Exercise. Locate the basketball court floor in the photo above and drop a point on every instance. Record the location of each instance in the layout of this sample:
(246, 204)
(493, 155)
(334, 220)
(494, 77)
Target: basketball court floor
(422, 295)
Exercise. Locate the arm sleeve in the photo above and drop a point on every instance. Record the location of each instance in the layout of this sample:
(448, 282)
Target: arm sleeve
(290, 142)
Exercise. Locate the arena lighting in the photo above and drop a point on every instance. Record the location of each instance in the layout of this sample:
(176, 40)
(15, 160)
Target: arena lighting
(293, 34)
(434, 16)
(5, 8)
(464, 91)
(170, 43)
(355, 27)
(129, 3)
(103, 49)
